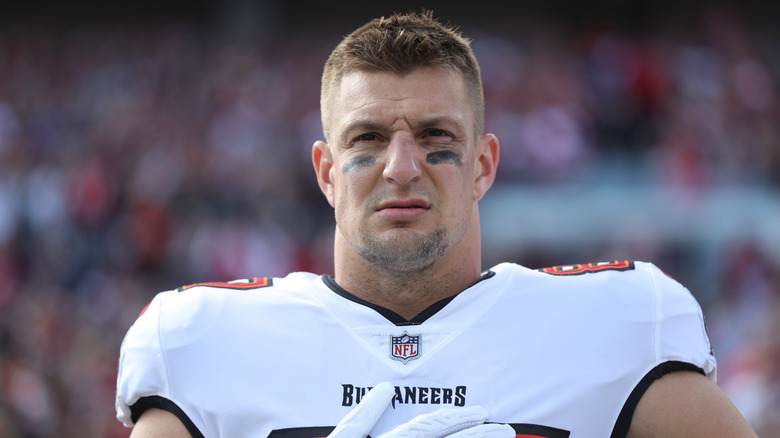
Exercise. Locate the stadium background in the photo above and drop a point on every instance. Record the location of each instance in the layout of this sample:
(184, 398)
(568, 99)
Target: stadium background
(146, 145)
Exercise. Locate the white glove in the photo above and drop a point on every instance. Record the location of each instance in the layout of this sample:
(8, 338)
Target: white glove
(452, 423)
(447, 422)
(360, 420)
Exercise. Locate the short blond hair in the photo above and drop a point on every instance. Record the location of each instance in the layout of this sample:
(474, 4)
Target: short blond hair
(400, 44)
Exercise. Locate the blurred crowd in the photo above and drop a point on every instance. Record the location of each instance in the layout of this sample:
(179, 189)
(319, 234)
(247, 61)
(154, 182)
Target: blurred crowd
(135, 160)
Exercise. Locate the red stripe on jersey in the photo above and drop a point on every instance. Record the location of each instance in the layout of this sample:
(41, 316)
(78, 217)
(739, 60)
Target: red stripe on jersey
(250, 284)
(589, 267)
(144, 309)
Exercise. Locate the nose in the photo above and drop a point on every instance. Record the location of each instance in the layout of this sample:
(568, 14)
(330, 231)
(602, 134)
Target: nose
(402, 166)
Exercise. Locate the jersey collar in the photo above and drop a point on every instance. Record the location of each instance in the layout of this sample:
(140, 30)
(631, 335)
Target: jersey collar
(389, 314)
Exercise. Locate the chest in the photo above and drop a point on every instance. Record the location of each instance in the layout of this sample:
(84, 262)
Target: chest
(544, 370)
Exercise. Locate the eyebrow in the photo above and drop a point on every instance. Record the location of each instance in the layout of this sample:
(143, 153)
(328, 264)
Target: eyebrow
(356, 126)
(446, 122)
(362, 126)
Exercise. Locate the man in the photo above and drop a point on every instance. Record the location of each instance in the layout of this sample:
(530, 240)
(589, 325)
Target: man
(582, 351)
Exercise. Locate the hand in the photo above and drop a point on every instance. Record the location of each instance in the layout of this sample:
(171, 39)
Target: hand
(452, 423)
(447, 422)
(360, 420)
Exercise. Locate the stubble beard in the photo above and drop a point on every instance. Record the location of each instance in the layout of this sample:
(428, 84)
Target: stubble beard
(406, 255)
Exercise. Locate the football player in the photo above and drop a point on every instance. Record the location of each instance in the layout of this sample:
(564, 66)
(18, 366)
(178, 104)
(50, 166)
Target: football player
(411, 337)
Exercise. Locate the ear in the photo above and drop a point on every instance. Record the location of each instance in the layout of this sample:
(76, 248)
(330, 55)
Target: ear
(487, 163)
(322, 159)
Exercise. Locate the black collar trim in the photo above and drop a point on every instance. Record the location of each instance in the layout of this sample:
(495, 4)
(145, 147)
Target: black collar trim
(389, 314)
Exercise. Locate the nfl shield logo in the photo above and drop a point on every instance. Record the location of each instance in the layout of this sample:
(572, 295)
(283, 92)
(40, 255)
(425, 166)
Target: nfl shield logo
(405, 347)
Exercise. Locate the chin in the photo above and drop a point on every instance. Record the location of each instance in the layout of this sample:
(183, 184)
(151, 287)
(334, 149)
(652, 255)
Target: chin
(404, 251)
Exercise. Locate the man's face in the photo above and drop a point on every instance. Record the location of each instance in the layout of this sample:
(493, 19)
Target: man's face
(402, 169)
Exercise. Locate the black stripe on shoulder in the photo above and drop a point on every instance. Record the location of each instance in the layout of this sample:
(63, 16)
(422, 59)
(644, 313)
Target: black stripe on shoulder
(623, 422)
(539, 431)
(301, 432)
(163, 403)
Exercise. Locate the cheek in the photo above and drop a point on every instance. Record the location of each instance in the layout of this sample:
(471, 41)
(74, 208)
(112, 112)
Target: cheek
(461, 186)
(357, 164)
(444, 157)
(351, 190)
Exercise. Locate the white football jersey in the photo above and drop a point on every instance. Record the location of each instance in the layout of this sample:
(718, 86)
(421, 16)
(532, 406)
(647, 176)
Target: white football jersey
(559, 352)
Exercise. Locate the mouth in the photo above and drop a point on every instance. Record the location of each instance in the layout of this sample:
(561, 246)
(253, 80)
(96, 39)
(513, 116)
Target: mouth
(403, 211)
(408, 204)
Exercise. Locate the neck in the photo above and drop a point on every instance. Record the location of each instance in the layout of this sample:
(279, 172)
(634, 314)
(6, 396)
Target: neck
(409, 293)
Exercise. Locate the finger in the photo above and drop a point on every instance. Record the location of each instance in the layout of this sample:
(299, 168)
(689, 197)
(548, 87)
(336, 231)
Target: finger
(360, 420)
(441, 423)
(492, 430)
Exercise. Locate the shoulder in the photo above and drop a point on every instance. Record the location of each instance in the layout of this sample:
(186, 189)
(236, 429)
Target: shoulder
(292, 282)
(204, 301)
(191, 311)
(187, 324)
(617, 271)
(628, 276)
(637, 295)
(635, 290)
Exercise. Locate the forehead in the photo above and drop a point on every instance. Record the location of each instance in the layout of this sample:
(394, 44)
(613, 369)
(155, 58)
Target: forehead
(387, 98)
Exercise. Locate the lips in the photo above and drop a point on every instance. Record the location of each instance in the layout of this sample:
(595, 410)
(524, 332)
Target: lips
(403, 210)
(406, 204)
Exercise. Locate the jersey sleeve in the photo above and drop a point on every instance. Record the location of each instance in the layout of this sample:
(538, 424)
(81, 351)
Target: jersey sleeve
(680, 332)
(142, 367)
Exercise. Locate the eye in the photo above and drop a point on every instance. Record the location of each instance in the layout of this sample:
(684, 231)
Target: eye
(437, 133)
(364, 138)
(436, 137)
